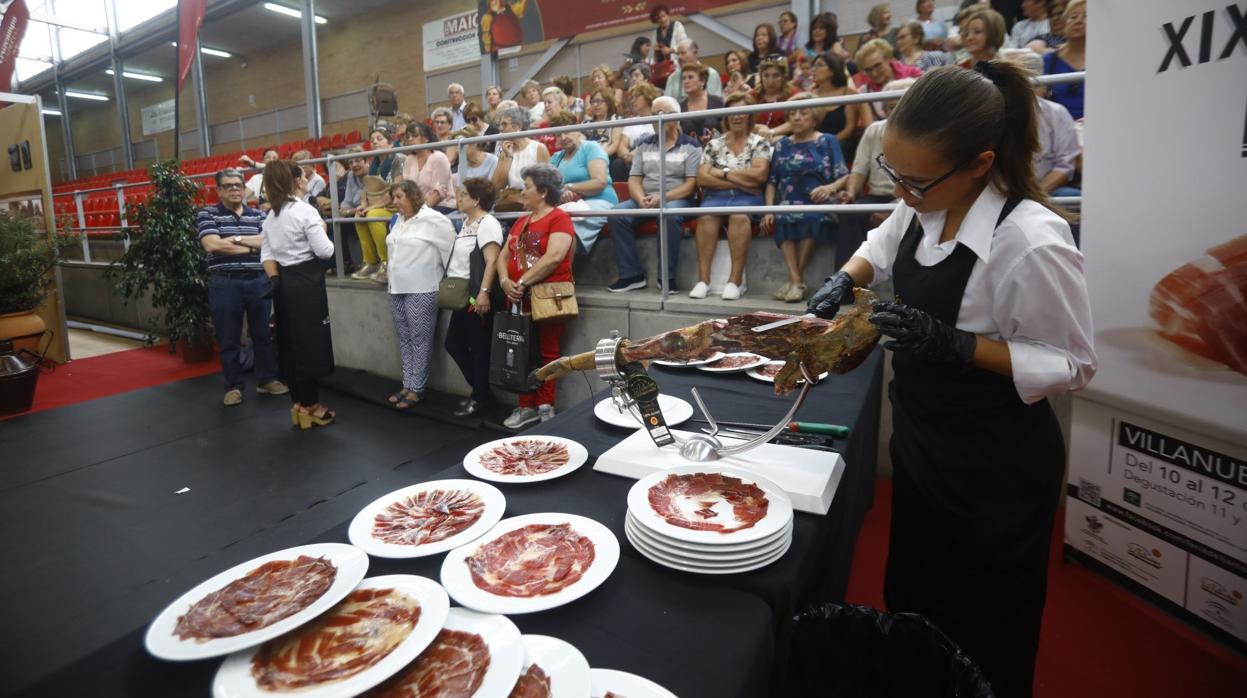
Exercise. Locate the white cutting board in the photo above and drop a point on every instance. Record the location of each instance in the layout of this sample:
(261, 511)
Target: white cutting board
(809, 477)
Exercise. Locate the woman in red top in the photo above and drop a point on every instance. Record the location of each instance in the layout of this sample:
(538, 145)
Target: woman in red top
(772, 87)
(538, 250)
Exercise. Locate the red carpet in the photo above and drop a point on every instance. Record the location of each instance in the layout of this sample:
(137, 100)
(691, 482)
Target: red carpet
(1098, 639)
(100, 376)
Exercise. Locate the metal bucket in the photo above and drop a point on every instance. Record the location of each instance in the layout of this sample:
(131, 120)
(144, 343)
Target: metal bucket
(17, 381)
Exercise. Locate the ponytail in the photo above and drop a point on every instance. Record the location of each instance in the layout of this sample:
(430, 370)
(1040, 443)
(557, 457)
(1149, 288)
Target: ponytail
(966, 112)
(278, 183)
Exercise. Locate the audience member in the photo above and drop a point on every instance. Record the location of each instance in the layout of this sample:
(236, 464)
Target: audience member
(682, 158)
(668, 35)
(1057, 157)
(642, 99)
(477, 162)
(389, 166)
(255, 184)
(982, 35)
(571, 102)
(350, 203)
(772, 88)
(401, 121)
(482, 126)
(1069, 58)
(602, 110)
(420, 242)
(514, 156)
(690, 55)
(824, 37)
(844, 121)
(530, 98)
(880, 20)
(737, 77)
(910, 51)
(1033, 26)
(585, 169)
(493, 98)
(474, 257)
(867, 183)
(765, 46)
(441, 119)
(538, 250)
(429, 168)
(603, 78)
(878, 67)
(230, 235)
(803, 167)
(787, 43)
(697, 98)
(292, 249)
(640, 52)
(934, 31)
(454, 93)
(554, 99)
(375, 203)
(1055, 37)
(315, 183)
(733, 172)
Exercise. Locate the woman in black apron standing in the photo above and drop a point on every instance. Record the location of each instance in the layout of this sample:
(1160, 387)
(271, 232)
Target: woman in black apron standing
(294, 243)
(991, 318)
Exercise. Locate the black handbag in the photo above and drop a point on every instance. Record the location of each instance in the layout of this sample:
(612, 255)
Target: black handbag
(512, 352)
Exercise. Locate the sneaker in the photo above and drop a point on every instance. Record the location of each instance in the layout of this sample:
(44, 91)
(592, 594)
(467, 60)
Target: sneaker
(631, 283)
(700, 290)
(364, 272)
(273, 387)
(380, 275)
(545, 412)
(521, 417)
(796, 292)
(782, 292)
(233, 397)
(732, 292)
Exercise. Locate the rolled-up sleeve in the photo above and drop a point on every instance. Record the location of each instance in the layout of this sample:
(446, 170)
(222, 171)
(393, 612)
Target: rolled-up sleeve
(317, 236)
(882, 243)
(1042, 311)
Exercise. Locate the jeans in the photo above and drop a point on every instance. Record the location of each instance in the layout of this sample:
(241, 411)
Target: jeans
(623, 231)
(229, 301)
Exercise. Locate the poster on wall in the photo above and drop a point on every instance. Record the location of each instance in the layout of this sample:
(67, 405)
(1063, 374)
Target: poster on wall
(451, 41)
(158, 117)
(1164, 234)
(1163, 508)
(507, 23)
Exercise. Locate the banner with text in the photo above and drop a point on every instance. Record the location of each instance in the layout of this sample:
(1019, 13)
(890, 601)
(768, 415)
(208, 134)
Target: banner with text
(507, 23)
(451, 41)
(158, 117)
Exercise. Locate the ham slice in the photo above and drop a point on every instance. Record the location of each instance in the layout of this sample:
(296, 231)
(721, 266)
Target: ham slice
(265, 595)
(454, 666)
(1202, 306)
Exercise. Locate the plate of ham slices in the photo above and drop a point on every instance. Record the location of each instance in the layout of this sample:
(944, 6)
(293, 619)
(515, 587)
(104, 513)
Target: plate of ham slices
(552, 669)
(531, 563)
(476, 654)
(518, 459)
(428, 518)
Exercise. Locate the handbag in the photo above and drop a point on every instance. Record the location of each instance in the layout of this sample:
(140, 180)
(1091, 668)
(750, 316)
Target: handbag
(509, 201)
(452, 293)
(554, 301)
(512, 355)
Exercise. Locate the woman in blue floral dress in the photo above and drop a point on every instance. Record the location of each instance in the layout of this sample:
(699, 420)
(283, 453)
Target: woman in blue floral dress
(803, 168)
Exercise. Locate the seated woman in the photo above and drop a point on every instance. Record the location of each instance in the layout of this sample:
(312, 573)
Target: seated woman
(442, 126)
(602, 109)
(493, 98)
(513, 156)
(693, 79)
(555, 101)
(733, 172)
(910, 51)
(538, 250)
(772, 87)
(473, 115)
(430, 170)
(982, 35)
(804, 166)
(1070, 57)
(477, 162)
(765, 46)
(602, 78)
(878, 66)
(468, 339)
(419, 243)
(736, 75)
(584, 166)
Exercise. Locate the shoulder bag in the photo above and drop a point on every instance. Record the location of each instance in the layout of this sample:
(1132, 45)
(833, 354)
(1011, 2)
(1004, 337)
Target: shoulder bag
(550, 301)
(453, 292)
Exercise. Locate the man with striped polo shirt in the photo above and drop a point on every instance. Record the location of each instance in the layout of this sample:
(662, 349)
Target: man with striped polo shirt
(230, 233)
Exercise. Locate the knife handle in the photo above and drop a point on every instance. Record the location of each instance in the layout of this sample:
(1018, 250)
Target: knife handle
(835, 430)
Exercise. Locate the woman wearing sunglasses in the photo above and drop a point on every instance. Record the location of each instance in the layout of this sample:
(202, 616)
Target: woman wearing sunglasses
(991, 319)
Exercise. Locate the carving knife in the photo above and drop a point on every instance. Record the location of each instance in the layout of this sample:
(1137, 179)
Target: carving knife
(834, 430)
(777, 324)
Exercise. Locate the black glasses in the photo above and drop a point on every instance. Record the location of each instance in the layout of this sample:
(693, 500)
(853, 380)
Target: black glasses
(915, 190)
(230, 186)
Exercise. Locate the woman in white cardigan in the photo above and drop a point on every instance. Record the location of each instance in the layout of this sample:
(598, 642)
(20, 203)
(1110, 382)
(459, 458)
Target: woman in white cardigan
(419, 246)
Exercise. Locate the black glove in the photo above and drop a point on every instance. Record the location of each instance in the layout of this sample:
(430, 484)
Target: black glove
(837, 290)
(915, 331)
(271, 285)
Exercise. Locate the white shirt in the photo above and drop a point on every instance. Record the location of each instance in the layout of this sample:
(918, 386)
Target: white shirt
(1058, 140)
(1026, 287)
(255, 184)
(295, 236)
(487, 230)
(418, 249)
(1027, 30)
(315, 186)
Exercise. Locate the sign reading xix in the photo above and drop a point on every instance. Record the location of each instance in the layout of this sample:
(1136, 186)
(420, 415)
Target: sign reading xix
(1177, 37)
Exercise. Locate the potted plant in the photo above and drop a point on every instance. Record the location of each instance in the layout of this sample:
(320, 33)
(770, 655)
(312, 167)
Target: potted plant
(166, 259)
(26, 256)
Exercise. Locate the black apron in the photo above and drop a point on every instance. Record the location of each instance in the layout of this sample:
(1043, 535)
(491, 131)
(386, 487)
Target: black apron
(977, 477)
(301, 309)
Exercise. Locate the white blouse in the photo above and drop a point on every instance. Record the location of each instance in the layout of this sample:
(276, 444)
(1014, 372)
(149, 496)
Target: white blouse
(486, 231)
(419, 248)
(297, 235)
(1026, 287)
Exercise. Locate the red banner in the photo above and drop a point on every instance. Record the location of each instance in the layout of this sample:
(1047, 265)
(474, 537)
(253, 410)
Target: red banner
(190, 17)
(507, 23)
(12, 29)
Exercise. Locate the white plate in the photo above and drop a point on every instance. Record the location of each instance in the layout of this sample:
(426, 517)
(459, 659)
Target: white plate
(563, 663)
(684, 547)
(639, 541)
(577, 455)
(506, 649)
(756, 373)
(686, 566)
(758, 361)
(234, 680)
(621, 683)
(676, 363)
(458, 580)
(160, 641)
(360, 532)
(723, 555)
(778, 512)
(674, 411)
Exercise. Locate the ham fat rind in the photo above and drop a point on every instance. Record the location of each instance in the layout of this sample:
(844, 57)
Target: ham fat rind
(265, 595)
(1202, 306)
(427, 517)
(536, 560)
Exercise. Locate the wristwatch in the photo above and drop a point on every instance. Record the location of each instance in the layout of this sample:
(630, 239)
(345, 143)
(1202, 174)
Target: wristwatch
(237, 239)
(724, 173)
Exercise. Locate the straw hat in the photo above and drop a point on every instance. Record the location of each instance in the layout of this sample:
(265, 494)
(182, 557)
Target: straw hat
(376, 191)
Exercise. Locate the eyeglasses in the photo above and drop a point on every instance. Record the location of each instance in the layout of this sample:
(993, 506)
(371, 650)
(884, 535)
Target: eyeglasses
(918, 191)
(230, 186)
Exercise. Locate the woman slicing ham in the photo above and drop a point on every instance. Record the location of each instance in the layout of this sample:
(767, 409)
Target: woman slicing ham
(992, 319)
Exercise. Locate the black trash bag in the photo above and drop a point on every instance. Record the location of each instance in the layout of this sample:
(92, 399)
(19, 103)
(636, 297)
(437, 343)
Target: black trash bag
(859, 652)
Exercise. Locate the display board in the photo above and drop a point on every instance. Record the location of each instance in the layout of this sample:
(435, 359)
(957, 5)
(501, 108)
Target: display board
(451, 41)
(1157, 472)
(507, 23)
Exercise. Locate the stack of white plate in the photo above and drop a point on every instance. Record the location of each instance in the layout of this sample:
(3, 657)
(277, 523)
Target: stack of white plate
(703, 531)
